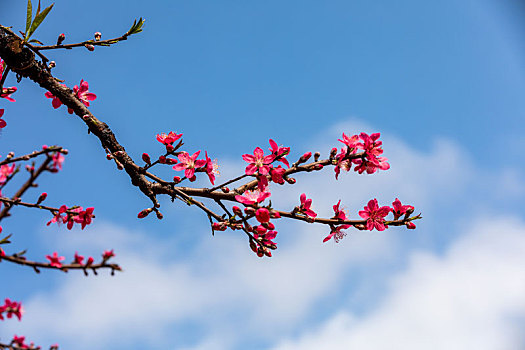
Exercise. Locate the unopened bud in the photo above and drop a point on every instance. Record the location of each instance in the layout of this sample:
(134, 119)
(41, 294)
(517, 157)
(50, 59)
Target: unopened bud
(42, 198)
(52, 64)
(260, 253)
(176, 179)
(253, 246)
(290, 180)
(237, 210)
(275, 215)
(98, 35)
(109, 156)
(119, 165)
(61, 39)
(249, 210)
(90, 47)
(171, 161)
(193, 178)
(411, 225)
(268, 253)
(333, 152)
(316, 156)
(162, 160)
(318, 167)
(10, 155)
(144, 213)
(146, 158)
(159, 215)
(225, 189)
(169, 148)
(305, 157)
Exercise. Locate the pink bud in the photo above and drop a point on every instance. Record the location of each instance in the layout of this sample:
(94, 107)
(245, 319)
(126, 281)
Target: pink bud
(169, 148)
(144, 213)
(237, 210)
(90, 47)
(176, 179)
(411, 225)
(146, 158)
(275, 214)
(61, 39)
(305, 157)
(162, 160)
(42, 198)
(98, 35)
(262, 215)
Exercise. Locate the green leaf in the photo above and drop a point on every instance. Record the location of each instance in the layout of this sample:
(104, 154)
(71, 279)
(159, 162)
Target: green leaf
(5, 240)
(38, 9)
(136, 27)
(36, 41)
(29, 14)
(38, 20)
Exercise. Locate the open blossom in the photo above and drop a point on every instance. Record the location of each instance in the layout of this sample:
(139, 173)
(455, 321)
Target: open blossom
(375, 216)
(55, 260)
(305, 206)
(277, 174)
(11, 308)
(279, 152)
(350, 142)
(262, 215)
(82, 93)
(20, 342)
(258, 162)
(5, 171)
(342, 163)
(168, 139)
(60, 216)
(79, 259)
(211, 168)
(252, 197)
(336, 232)
(84, 217)
(2, 122)
(108, 254)
(55, 102)
(57, 159)
(189, 163)
(373, 150)
(400, 209)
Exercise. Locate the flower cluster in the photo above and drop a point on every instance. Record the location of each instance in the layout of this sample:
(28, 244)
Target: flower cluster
(5, 171)
(56, 261)
(73, 215)
(10, 309)
(371, 160)
(374, 218)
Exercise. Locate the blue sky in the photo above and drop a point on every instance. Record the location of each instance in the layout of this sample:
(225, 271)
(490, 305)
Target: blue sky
(441, 81)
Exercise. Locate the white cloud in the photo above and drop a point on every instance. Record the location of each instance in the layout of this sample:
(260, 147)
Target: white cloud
(470, 298)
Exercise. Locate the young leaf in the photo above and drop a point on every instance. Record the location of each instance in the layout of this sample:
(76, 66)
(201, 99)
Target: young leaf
(38, 20)
(29, 14)
(6, 240)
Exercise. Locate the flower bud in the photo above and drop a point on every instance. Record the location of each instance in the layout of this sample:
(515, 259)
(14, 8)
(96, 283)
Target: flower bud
(52, 64)
(225, 189)
(90, 47)
(268, 253)
(305, 157)
(162, 160)
(61, 39)
(42, 198)
(146, 158)
(237, 210)
(249, 211)
(290, 180)
(176, 179)
(316, 156)
(169, 148)
(253, 246)
(98, 35)
(275, 214)
(109, 156)
(262, 215)
(159, 215)
(411, 225)
(144, 213)
(260, 252)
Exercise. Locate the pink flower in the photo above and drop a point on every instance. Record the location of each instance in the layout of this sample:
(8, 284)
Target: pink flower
(169, 138)
(264, 236)
(79, 259)
(7, 92)
(350, 142)
(19, 342)
(277, 174)
(2, 122)
(375, 216)
(189, 163)
(336, 231)
(58, 159)
(84, 217)
(258, 162)
(400, 209)
(305, 206)
(252, 197)
(279, 152)
(108, 254)
(262, 215)
(83, 94)
(12, 308)
(56, 101)
(211, 168)
(342, 163)
(373, 150)
(55, 260)
(58, 218)
(5, 171)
